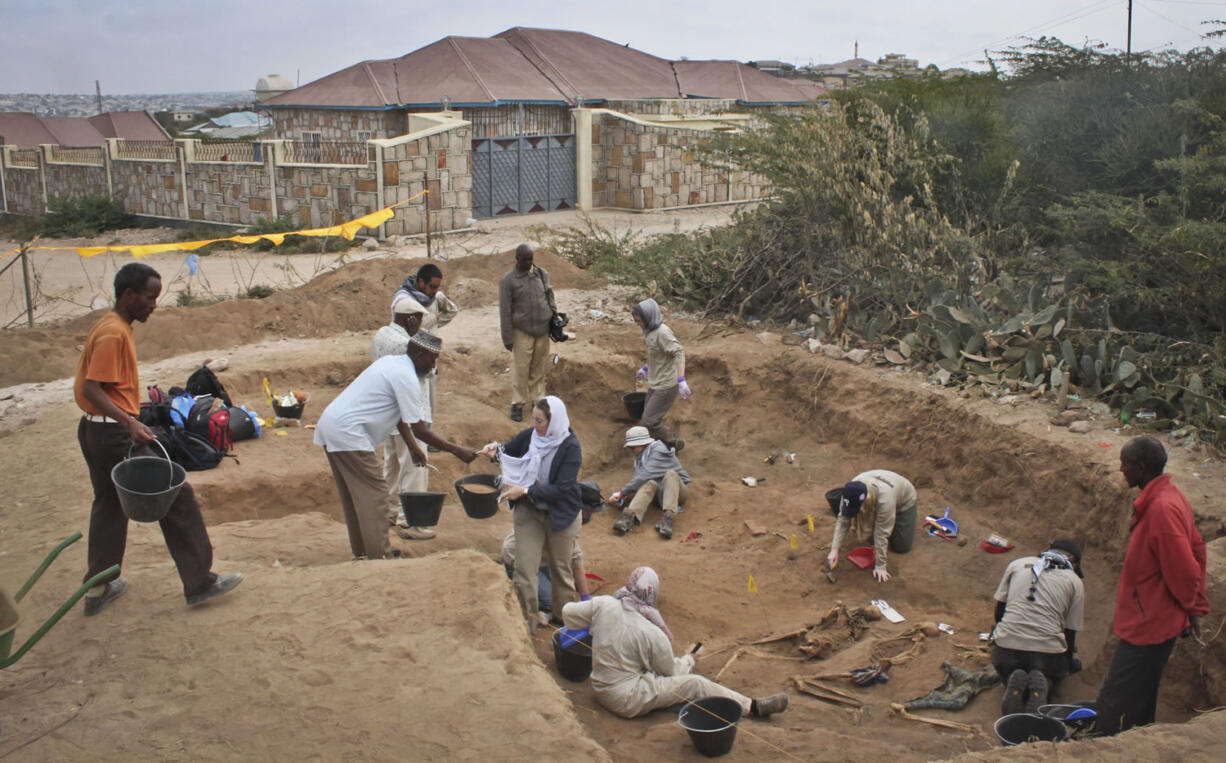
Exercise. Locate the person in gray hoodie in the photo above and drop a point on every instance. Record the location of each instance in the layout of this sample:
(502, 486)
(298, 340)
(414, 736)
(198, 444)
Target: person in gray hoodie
(659, 479)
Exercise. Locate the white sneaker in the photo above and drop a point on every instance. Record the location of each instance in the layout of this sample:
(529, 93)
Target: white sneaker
(415, 533)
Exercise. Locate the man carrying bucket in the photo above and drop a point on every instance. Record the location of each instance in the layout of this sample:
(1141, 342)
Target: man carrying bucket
(1161, 593)
(386, 397)
(107, 389)
(872, 504)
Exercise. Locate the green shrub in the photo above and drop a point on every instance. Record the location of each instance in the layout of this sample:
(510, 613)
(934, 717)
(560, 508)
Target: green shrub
(79, 217)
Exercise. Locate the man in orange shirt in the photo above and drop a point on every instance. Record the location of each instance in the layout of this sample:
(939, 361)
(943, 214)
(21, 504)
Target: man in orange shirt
(107, 390)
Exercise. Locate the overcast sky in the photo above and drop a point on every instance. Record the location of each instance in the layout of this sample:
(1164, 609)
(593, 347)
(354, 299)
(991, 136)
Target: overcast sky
(158, 46)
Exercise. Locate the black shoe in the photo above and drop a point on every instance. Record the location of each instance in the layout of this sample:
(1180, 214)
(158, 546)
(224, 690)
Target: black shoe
(678, 444)
(1036, 691)
(625, 523)
(665, 525)
(517, 413)
(223, 584)
(1014, 700)
(764, 706)
(114, 588)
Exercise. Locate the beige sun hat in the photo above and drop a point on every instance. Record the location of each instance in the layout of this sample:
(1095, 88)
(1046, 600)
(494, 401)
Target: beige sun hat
(408, 306)
(638, 436)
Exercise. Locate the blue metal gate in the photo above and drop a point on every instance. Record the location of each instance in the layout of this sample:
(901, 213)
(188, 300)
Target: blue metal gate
(518, 175)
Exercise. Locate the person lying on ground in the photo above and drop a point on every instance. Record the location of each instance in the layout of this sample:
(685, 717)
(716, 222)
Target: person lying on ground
(540, 478)
(872, 502)
(659, 479)
(633, 667)
(386, 397)
(107, 390)
(1040, 605)
(664, 371)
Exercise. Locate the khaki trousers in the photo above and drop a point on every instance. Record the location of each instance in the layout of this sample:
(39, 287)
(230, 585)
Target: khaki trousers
(668, 493)
(529, 363)
(654, 407)
(532, 538)
(363, 494)
(401, 475)
(652, 692)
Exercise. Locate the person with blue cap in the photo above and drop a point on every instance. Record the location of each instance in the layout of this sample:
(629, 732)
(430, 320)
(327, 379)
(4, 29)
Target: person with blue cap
(871, 506)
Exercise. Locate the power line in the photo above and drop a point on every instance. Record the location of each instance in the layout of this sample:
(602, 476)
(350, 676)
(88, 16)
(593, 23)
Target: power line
(1168, 20)
(1065, 18)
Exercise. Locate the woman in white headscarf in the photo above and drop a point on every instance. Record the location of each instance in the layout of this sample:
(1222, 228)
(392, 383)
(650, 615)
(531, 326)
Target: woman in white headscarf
(540, 478)
(664, 370)
(633, 667)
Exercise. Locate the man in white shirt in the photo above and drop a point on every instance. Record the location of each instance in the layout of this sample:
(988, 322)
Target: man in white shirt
(386, 397)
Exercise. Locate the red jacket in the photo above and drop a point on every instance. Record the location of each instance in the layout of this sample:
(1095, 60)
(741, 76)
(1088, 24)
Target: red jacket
(1163, 580)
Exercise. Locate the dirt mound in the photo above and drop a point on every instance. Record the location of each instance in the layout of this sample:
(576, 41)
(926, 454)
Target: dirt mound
(355, 297)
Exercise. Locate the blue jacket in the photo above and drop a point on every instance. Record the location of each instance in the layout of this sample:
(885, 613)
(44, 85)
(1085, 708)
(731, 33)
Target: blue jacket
(559, 494)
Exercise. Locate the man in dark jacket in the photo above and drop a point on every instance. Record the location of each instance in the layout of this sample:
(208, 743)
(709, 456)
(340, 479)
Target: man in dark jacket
(658, 479)
(1162, 589)
(525, 307)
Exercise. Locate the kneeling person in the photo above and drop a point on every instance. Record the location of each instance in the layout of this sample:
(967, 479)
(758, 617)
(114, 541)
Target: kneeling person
(1040, 604)
(659, 479)
(872, 504)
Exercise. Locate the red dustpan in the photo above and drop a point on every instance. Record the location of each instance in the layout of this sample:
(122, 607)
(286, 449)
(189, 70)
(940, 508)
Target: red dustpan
(863, 557)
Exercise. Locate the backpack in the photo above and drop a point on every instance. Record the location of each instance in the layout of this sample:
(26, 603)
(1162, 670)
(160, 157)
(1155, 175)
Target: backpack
(204, 382)
(243, 424)
(188, 449)
(155, 414)
(180, 408)
(210, 419)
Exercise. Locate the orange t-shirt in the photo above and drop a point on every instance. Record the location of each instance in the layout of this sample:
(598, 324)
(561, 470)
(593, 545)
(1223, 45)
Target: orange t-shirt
(109, 358)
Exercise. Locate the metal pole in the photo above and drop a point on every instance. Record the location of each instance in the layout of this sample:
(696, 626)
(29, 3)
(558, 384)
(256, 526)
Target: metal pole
(25, 280)
(425, 179)
(1128, 52)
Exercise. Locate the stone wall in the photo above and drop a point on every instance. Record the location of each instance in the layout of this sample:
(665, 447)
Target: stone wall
(676, 106)
(317, 197)
(640, 165)
(337, 124)
(73, 180)
(228, 192)
(147, 186)
(23, 191)
(440, 162)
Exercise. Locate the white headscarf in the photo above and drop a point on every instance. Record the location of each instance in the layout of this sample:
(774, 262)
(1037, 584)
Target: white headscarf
(525, 470)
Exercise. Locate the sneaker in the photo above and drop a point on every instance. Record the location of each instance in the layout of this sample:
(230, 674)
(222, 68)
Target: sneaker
(665, 525)
(764, 706)
(111, 591)
(415, 533)
(625, 523)
(223, 584)
(1014, 700)
(517, 413)
(1036, 691)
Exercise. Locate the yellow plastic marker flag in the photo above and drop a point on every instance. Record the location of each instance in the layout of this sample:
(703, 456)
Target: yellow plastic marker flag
(753, 587)
(792, 542)
(809, 519)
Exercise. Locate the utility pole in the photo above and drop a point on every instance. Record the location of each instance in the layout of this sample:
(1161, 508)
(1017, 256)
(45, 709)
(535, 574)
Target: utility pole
(1128, 51)
(98, 90)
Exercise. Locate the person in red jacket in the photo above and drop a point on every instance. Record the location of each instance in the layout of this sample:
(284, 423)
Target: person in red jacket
(1162, 589)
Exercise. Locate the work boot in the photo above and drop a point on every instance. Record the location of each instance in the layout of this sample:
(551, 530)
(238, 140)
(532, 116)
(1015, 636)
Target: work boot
(764, 706)
(625, 523)
(415, 533)
(1036, 691)
(665, 525)
(517, 413)
(1014, 700)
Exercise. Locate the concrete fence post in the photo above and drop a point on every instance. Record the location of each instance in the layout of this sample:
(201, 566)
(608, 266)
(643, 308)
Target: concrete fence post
(181, 164)
(583, 158)
(44, 153)
(380, 194)
(106, 166)
(268, 152)
(4, 163)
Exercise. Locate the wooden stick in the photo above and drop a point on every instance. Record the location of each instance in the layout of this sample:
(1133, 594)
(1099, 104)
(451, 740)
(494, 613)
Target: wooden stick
(901, 710)
(783, 637)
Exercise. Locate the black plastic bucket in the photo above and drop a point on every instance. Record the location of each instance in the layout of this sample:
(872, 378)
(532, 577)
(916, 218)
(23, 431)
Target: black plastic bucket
(482, 503)
(711, 724)
(635, 402)
(422, 509)
(1020, 728)
(834, 497)
(574, 661)
(1084, 712)
(148, 485)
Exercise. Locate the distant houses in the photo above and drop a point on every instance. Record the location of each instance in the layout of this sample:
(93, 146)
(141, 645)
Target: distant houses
(27, 130)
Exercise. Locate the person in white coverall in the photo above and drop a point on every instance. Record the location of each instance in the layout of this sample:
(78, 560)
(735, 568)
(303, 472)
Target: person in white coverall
(633, 667)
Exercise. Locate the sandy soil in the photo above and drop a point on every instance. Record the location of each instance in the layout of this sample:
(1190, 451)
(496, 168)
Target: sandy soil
(319, 657)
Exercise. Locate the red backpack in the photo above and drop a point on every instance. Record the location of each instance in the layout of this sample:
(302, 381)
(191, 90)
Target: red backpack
(211, 419)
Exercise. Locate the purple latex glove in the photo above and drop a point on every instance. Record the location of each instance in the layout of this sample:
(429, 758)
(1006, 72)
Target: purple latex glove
(641, 374)
(585, 597)
(685, 388)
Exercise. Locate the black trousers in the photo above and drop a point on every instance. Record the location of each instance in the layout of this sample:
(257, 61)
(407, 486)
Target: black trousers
(104, 445)
(1052, 666)
(1129, 694)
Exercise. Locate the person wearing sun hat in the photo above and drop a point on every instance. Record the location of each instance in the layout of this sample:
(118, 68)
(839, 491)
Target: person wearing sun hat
(1040, 607)
(872, 503)
(659, 479)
